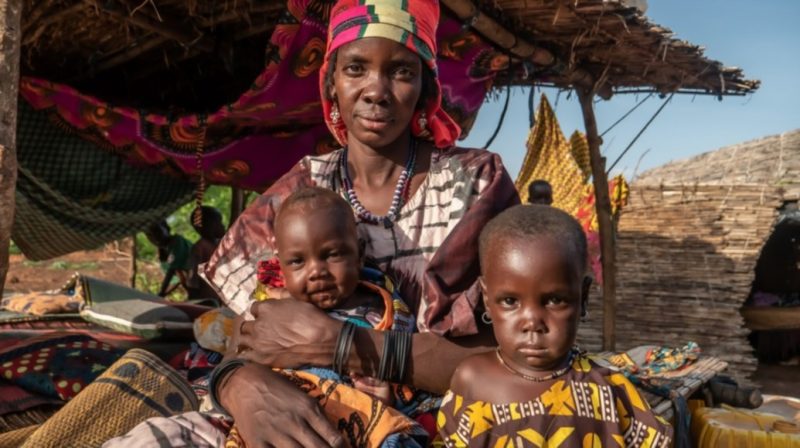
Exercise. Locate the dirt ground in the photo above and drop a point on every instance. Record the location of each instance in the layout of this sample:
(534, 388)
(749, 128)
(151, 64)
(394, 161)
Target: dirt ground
(112, 262)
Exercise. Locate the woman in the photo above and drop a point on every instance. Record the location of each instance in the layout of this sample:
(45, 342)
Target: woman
(420, 205)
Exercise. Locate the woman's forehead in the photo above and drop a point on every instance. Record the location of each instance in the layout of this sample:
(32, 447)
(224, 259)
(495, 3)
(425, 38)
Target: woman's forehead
(376, 47)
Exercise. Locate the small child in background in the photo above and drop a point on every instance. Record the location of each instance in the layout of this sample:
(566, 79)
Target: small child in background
(173, 253)
(320, 261)
(537, 388)
(211, 230)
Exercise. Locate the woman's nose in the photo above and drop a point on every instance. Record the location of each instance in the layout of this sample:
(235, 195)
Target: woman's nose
(377, 90)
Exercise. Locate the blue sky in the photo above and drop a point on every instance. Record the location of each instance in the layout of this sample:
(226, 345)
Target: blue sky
(762, 37)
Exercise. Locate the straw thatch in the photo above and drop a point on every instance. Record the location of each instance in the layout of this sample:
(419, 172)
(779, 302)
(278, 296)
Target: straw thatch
(685, 265)
(199, 54)
(773, 161)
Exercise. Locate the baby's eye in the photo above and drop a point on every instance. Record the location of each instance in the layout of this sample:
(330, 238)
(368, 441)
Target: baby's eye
(294, 262)
(334, 254)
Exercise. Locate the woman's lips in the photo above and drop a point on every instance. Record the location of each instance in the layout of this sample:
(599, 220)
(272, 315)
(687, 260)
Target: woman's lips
(374, 124)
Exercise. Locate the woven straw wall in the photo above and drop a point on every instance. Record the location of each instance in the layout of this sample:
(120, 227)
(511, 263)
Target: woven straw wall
(685, 264)
(773, 160)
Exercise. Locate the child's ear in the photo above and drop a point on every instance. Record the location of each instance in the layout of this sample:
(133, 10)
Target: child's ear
(587, 283)
(483, 293)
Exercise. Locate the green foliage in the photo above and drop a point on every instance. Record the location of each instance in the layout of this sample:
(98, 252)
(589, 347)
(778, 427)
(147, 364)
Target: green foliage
(13, 249)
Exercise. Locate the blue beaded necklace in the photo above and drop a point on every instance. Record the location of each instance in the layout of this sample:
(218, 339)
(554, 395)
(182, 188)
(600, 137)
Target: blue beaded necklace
(400, 195)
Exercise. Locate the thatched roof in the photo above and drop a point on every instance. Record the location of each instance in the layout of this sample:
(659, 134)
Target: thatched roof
(769, 161)
(200, 54)
(686, 258)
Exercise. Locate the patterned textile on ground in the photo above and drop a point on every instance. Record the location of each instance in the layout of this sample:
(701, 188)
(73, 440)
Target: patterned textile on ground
(70, 196)
(645, 365)
(136, 387)
(565, 164)
(259, 137)
(41, 303)
(56, 366)
(590, 406)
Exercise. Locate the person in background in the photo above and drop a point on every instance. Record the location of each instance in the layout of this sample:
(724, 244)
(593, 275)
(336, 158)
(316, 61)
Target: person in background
(173, 253)
(211, 230)
(540, 192)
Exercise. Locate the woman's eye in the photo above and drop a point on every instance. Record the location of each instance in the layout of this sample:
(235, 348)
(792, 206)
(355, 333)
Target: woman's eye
(352, 69)
(404, 73)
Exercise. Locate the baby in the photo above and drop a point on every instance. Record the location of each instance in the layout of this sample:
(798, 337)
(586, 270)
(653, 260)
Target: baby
(536, 388)
(321, 262)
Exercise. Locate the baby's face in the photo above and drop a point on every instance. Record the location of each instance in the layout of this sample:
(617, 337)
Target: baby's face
(533, 293)
(319, 256)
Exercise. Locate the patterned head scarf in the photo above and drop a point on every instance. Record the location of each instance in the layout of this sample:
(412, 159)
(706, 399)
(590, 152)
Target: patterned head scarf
(411, 23)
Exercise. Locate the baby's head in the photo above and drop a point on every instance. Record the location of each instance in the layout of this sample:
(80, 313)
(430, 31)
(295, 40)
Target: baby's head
(533, 276)
(318, 249)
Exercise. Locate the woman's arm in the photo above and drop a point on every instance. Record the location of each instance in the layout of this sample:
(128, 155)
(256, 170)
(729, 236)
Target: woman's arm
(268, 409)
(290, 333)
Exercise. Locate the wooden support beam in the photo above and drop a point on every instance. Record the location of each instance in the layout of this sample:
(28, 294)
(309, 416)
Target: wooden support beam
(10, 36)
(467, 11)
(237, 204)
(603, 207)
(187, 37)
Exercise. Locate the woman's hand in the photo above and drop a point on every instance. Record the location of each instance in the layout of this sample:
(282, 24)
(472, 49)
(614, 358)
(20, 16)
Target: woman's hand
(288, 334)
(271, 411)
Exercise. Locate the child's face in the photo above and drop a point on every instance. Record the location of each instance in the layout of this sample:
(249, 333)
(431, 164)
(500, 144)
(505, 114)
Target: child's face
(319, 256)
(534, 292)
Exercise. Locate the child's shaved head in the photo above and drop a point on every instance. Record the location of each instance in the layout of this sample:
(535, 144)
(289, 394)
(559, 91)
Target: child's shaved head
(528, 222)
(312, 198)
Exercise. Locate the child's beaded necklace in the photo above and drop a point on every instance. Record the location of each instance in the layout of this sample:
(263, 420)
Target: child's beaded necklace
(540, 379)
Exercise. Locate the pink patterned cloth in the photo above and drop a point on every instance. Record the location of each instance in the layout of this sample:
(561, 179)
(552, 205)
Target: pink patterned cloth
(253, 141)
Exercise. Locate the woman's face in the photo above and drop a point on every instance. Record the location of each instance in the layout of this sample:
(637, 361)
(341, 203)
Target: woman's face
(376, 84)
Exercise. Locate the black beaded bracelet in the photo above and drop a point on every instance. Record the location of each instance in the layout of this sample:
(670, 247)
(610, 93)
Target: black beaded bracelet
(387, 359)
(401, 354)
(343, 344)
(220, 371)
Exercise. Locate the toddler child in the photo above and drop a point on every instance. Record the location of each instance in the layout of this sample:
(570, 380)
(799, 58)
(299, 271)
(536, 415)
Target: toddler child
(320, 261)
(536, 388)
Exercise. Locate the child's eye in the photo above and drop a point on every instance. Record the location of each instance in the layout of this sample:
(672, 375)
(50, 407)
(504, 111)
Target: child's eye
(294, 262)
(508, 301)
(334, 254)
(555, 300)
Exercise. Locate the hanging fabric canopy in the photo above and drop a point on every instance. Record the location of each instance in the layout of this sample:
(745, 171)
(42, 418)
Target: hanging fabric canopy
(254, 140)
(565, 165)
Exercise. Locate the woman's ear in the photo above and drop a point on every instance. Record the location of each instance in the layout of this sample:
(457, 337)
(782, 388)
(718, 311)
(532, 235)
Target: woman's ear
(587, 283)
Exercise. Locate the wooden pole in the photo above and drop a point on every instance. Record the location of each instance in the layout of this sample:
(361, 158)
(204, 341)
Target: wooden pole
(134, 256)
(603, 207)
(237, 203)
(10, 26)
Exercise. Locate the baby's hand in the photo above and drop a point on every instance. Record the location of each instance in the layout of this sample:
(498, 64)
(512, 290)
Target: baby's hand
(377, 389)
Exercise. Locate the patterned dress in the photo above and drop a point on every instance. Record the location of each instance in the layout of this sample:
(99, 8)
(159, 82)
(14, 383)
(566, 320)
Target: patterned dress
(589, 406)
(431, 251)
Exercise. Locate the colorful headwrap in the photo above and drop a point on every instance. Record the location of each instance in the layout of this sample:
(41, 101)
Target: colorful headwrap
(409, 22)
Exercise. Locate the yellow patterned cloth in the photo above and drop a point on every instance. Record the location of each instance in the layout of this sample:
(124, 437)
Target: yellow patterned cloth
(589, 406)
(565, 164)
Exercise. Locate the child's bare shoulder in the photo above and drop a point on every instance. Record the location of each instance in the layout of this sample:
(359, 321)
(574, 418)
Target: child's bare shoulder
(471, 371)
